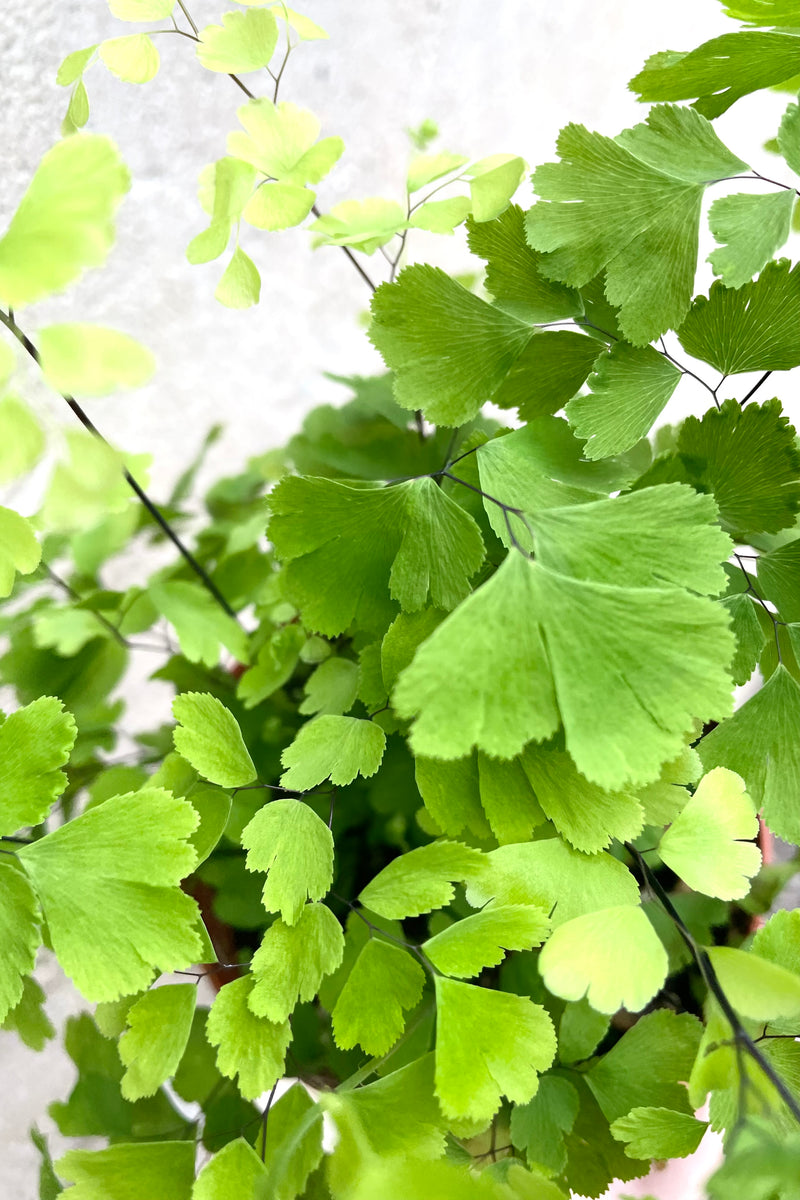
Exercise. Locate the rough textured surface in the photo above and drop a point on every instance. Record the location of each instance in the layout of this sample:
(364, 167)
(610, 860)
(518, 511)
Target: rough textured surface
(496, 78)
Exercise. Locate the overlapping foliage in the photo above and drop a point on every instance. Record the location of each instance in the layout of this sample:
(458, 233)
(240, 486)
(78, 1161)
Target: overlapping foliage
(454, 803)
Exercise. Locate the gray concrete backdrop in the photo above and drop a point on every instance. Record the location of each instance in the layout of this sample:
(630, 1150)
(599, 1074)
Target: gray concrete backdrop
(496, 77)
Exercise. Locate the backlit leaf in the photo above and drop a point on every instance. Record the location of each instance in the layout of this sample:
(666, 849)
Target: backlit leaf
(755, 986)
(244, 42)
(753, 228)
(21, 439)
(154, 1042)
(235, 1171)
(91, 360)
(425, 168)
(19, 549)
(133, 58)
(240, 285)
(247, 1045)
(158, 1170)
(278, 206)
(466, 947)
(492, 183)
(141, 10)
(19, 928)
(612, 957)
(384, 982)
(709, 844)
(288, 840)
(64, 222)
(421, 880)
(332, 747)
(280, 140)
(363, 224)
(292, 960)
(488, 1044)
(659, 1133)
(35, 743)
(28, 1018)
(129, 916)
(779, 579)
(201, 625)
(209, 737)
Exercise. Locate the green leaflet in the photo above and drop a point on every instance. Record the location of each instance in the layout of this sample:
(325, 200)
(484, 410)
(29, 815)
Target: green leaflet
(779, 579)
(659, 1133)
(399, 1114)
(64, 222)
(513, 271)
(550, 874)
(548, 373)
(492, 183)
(247, 1045)
(201, 625)
(441, 216)
(133, 58)
(384, 982)
(244, 42)
(19, 549)
(538, 1127)
(759, 742)
(466, 947)
(580, 1031)
(225, 188)
(584, 814)
(294, 1146)
(426, 168)
(235, 1171)
(750, 635)
(19, 929)
(292, 960)
(451, 794)
(363, 224)
(613, 957)
(408, 541)
(332, 689)
(90, 484)
(335, 748)
(721, 71)
(28, 1018)
(628, 390)
(288, 840)
(488, 1044)
(129, 916)
(507, 799)
(648, 1066)
(756, 492)
(35, 742)
(753, 228)
(274, 666)
(449, 350)
(751, 328)
(21, 439)
(650, 179)
(154, 1042)
(240, 284)
(764, 12)
(756, 987)
(625, 701)
(709, 844)
(280, 140)
(789, 137)
(158, 1170)
(208, 736)
(421, 879)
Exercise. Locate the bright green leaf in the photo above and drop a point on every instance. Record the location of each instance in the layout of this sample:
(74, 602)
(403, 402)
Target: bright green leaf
(756, 492)
(21, 439)
(709, 844)
(659, 1133)
(129, 916)
(306, 29)
(488, 1044)
(67, 629)
(233, 1173)
(410, 540)
(35, 743)
(779, 579)
(750, 636)
(628, 390)
(789, 137)
(754, 986)
(209, 737)
(19, 929)
(294, 1146)
(631, 206)
(240, 285)
(19, 549)
(225, 189)
(466, 947)
(244, 42)
(141, 10)
(281, 142)
(451, 794)
(73, 66)
(28, 1018)
(421, 880)
(721, 71)
(248, 1046)
(450, 351)
(64, 223)
(580, 1031)
(90, 484)
(278, 206)
(751, 328)
(288, 840)
(335, 748)
(201, 625)
(538, 1127)
(648, 1066)
(158, 1170)
(548, 373)
(363, 224)
(441, 216)
(292, 960)
(514, 274)
(274, 666)
(332, 688)
(664, 799)
(760, 743)
(78, 108)
(493, 181)
(154, 1042)
(383, 984)
(507, 799)
(753, 228)
(612, 957)
(92, 360)
(427, 167)
(133, 58)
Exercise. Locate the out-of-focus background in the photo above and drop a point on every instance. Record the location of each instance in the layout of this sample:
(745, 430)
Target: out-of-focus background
(495, 77)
